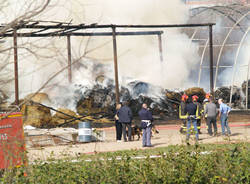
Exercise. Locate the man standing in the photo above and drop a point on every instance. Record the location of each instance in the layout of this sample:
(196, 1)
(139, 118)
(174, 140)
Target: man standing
(199, 110)
(125, 118)
(146, 124)
(211, 113)
(182, 114)
(191, 110)
(118, 125)
(224, 111)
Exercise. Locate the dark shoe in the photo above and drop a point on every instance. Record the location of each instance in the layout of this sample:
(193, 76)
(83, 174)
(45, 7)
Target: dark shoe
(144, 146)
(149, 146)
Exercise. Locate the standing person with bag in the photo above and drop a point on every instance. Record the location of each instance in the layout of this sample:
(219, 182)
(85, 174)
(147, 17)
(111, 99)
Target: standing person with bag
(146, 125)
(118, 125)
(125, 118)
(224, 111)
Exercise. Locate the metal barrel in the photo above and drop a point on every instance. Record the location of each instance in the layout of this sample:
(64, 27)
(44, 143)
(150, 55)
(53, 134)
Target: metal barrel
(84, 132)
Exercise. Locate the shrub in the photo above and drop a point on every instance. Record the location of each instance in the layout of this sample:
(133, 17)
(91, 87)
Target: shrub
(180, 164)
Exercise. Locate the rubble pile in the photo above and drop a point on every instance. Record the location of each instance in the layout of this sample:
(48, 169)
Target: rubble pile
(224, 93)
(97, 104)
(244, 86)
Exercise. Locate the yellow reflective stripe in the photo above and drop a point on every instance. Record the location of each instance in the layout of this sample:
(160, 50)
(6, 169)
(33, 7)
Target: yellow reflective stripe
(181, 116)
(10, 116)
(16, 115)
(197, 112)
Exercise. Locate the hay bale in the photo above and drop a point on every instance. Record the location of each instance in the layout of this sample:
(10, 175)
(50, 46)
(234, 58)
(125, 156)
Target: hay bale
(173, 95)
(36, 116)
(87, 106)
(66, 111)
(196, 91)
(60, 118)
(38, 97)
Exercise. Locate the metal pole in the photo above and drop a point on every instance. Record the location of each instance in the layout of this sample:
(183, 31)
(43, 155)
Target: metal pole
(69, 60)
(160, 47)
(202, 58)
(211, 59)
(117, 97)
(247, 85)
(16, 67)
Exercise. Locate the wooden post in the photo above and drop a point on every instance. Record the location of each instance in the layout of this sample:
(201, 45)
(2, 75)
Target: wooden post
(117, 99)
(16, 67)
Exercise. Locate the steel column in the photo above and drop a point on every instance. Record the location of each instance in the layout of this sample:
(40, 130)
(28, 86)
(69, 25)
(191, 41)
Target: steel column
(211, 59)
(160, 47)
(117, 95)
(69, 59)
(247, 86)
(16, 67)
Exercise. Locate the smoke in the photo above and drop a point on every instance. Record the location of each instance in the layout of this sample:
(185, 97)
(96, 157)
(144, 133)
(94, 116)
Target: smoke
(242, 62)
(138, 56)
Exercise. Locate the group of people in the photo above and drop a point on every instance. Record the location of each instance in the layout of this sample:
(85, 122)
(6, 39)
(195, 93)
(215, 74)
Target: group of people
(124, 118)
(191, 112)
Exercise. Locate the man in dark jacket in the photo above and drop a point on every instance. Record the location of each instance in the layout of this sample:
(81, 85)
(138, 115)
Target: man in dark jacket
(191, 110)
(146, 124)
(125, 117)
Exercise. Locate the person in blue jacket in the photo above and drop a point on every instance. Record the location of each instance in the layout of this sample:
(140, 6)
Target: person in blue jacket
(224, 111)
(146, 124)
(125, 118)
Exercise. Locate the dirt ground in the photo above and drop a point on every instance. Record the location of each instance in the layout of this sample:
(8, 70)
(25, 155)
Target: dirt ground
(168, 135)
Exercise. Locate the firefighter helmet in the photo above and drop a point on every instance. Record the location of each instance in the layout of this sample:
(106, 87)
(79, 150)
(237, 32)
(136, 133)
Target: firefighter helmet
(184, 97)
(195, 98)
(208, 95)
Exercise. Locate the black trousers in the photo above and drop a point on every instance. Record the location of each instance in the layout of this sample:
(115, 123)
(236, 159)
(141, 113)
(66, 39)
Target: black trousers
(124, 133)
(118, 128)
(211, 121)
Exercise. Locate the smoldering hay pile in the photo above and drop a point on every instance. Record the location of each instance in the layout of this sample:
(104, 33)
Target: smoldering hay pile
(97, 104)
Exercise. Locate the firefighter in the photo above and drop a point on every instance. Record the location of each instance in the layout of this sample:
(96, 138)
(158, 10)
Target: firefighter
(192, 111)
(198, 112)
(182, 114)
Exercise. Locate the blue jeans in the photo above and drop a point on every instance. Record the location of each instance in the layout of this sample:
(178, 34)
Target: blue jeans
(146, 136)
(224, 124)
(194, 121)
